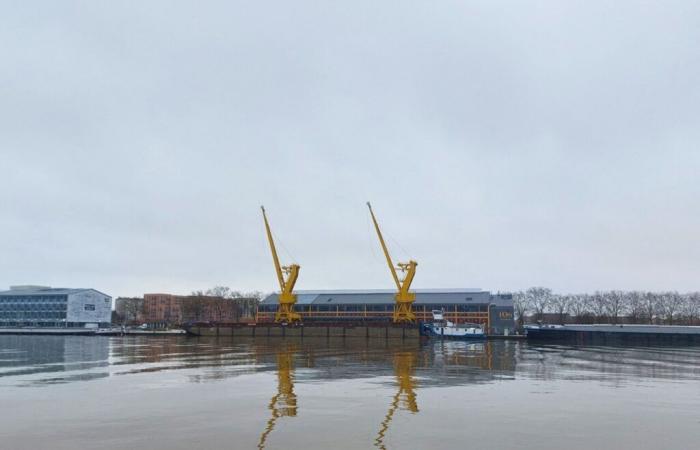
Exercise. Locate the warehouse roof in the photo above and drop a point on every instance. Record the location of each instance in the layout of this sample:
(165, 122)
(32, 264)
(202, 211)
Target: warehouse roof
(44, 290)
(388, 291)
(423, 296)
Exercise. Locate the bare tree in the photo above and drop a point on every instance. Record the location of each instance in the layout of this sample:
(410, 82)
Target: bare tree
(221, 291)
(253, 294)
(251, 302)
(218, 309)
(632, 306)
(539, 298)
(243, 304)
(635, 306)
(614, 304)
(193, 308)
(560, 304)
(129, 309)
(599, 305)
(579, 306)
(691, 307)
(671, 303)
(521, 306)
(650, 303)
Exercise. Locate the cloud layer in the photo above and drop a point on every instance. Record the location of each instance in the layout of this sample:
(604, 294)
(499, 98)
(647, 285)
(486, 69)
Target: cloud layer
(503, 144)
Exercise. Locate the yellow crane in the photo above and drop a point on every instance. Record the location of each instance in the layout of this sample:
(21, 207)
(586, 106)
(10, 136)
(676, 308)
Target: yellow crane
(403, 311)
(287, 298)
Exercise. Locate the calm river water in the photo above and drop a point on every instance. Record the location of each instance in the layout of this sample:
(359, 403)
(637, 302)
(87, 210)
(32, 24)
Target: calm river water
(71, 392)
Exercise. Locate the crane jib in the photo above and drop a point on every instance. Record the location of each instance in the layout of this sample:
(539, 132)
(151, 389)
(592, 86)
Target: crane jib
(287, 298)
(403, 311)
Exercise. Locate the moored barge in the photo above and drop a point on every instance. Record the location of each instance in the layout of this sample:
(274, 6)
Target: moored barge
(612, 334)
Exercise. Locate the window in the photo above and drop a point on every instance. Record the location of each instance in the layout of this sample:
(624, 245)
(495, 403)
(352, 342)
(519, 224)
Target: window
(89, 307)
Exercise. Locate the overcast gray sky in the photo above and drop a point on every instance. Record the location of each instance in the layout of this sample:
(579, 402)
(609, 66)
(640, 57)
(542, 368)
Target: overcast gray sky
(503, 144)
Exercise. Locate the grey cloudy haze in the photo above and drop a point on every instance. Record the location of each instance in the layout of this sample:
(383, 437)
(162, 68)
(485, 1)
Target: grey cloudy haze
(504, 144)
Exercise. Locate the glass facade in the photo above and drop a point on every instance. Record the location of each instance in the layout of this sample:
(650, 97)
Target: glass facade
(33, 310)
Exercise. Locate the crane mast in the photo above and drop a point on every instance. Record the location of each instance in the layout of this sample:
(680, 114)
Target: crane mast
(287, 298)
(403, 311)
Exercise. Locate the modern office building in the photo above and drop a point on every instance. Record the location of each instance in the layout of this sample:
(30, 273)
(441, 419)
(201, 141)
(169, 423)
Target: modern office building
(43, 306)
(494, 311)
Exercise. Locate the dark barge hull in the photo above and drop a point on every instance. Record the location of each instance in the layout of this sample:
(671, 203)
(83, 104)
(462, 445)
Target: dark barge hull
(312, 330)
(616, 334)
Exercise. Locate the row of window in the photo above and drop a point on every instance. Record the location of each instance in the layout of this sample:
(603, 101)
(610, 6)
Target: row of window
(33, 299)
(43, 315)
(34, 323)
(379, 308)
(34, 307)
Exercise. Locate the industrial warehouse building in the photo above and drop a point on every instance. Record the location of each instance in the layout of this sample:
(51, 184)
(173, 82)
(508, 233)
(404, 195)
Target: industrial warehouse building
(494, 311)
(43, 306)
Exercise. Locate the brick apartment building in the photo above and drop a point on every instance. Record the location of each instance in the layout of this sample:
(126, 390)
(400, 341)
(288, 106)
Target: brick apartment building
(162, 308)
(168, 309)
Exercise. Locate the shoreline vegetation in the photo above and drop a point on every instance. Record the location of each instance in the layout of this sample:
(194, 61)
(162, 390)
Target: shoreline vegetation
(533, 305)
(541, 304)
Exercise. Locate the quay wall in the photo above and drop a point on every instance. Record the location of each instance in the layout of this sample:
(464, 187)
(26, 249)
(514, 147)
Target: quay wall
(316, 330)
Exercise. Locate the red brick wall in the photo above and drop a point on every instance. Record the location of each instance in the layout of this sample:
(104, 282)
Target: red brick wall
(162, 308)
(176, 309)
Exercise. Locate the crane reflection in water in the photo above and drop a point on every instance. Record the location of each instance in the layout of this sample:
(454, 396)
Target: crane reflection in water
(405, 398)
(449, 362)
(284, 403)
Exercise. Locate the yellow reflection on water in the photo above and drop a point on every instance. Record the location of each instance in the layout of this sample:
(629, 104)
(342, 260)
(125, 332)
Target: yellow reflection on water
(405, 398)
(284, 403)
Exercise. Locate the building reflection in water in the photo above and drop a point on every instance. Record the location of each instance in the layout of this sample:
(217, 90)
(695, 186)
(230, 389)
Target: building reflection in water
(284, 403)
(39, 359)
(36, 360)
(489, 355)
(84, 358)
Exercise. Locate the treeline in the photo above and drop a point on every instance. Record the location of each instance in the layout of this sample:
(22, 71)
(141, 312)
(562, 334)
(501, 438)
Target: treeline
(199, 302)
(635, 307)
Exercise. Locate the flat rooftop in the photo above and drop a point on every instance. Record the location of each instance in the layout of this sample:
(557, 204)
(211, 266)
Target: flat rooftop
(386, 296)
(44, 290)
